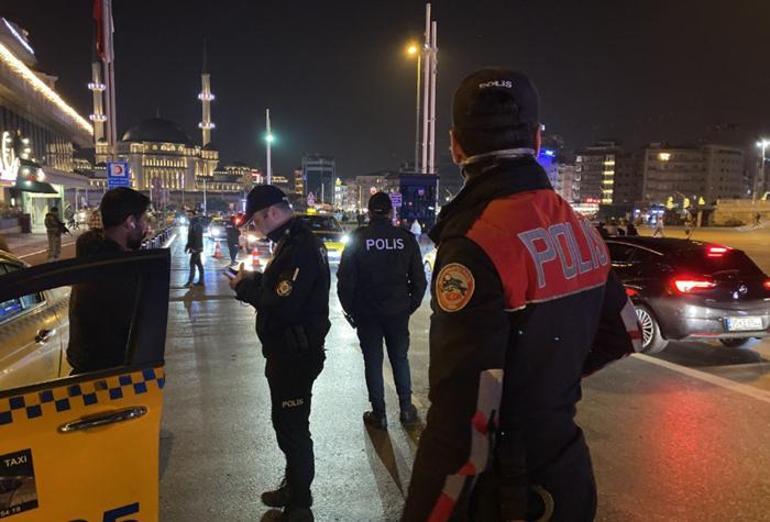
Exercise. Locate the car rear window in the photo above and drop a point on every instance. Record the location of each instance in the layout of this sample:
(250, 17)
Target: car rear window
(322, 223)
(702, 261)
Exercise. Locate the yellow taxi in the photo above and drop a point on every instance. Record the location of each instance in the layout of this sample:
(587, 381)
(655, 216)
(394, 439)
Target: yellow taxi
(328, 229)
(80, 447)
(33, 332)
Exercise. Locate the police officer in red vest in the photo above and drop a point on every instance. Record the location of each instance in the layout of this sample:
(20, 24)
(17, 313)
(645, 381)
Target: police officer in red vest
(525, 305)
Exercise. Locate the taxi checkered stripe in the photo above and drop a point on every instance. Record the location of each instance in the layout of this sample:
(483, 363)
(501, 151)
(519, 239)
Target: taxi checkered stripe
(36, 404)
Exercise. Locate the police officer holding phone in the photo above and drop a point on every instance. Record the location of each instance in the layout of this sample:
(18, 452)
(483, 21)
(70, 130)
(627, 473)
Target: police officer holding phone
(292, 302)
(380, 283)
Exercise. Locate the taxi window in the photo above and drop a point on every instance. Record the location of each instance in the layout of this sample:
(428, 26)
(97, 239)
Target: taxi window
(322, 223)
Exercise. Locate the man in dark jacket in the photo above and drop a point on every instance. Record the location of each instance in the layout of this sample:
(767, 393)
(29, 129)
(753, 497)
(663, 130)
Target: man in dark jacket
(101, 311)
(524, 305)
(292, 303)
(195, 247)
(381, 282)
(233, 237)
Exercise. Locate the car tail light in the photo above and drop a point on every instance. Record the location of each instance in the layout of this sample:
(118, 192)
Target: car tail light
(690, 284)
(766, 284)
(631, 292)
(717, 251)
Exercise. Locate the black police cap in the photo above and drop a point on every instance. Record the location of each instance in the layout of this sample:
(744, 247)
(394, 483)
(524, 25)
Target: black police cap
(261, 197)
(495, 98)
(380, 203)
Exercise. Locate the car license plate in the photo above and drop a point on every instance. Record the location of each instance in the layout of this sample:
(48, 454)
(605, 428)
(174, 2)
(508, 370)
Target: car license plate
(742, 324)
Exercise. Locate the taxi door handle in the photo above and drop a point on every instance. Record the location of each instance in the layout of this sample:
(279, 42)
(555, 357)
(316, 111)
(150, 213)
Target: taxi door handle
(43, 335)
(102, 419)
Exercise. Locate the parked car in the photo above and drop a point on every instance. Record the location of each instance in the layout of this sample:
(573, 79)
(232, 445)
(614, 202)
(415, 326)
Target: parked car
(33, 333)
(689, 290)
(328, 229)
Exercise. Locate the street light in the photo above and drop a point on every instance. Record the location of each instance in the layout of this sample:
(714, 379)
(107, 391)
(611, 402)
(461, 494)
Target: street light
(759, 184)
(412, 50)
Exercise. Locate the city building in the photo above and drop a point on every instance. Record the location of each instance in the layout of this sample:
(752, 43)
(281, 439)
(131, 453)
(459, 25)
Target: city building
(568, 184)
(708, 172)
(163, 159)
(596, 165)
(299, 182)
(39, 132)
(319, 178)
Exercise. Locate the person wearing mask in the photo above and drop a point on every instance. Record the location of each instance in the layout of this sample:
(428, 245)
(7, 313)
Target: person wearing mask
(194, 247)
(524, 305)
(100, 312)
(54, 228)
(380, 283)
(292, 303)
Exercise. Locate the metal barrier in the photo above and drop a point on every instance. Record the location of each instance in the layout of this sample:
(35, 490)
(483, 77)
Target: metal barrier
(159, 239)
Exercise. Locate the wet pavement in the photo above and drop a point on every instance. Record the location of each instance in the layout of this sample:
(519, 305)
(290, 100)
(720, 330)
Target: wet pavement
(676, 437)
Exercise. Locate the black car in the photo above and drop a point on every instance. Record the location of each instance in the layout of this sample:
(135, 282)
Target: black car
(688, 290)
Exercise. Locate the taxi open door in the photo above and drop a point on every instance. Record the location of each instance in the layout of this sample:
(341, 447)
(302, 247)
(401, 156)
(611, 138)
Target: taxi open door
(85, 447)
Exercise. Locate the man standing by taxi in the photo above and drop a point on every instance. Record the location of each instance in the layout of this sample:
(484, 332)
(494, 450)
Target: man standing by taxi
(380, 283)
(524, 305)
(54, 228)
(292, 303)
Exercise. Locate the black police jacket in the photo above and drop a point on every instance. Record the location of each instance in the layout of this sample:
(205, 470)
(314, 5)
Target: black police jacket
(380, 271)
(292, 295)
(100, 312)
(194, 236)
(232, 233)
(524, 305)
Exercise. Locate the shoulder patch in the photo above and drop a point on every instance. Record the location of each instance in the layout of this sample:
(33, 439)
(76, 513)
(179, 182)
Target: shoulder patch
(284, 288)
(454, 287)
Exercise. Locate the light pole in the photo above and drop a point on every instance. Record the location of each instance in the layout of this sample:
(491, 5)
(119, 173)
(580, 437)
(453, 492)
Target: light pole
(269, 138)
(414, 50)
(759, 183)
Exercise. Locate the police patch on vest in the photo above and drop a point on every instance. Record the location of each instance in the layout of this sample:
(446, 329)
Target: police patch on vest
(454, 287)
(284, 288)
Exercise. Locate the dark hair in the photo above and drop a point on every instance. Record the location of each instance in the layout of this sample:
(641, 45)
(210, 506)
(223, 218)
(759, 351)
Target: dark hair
(481, 141)
(120, 203)
(54, 209)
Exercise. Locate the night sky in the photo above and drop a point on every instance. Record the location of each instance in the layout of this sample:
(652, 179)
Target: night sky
(337, 81)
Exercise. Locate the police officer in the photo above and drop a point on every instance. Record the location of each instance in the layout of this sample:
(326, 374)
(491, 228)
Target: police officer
(380, 283)
(524, 305)
(292, 303)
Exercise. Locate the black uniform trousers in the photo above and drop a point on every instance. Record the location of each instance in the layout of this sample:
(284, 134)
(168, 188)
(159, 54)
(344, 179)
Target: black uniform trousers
(394, 329)
(195, 261)
(291, 388)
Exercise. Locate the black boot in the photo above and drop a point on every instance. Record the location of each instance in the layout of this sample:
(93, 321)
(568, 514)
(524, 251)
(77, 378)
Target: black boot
(277, 498)
(376, 420)
(409, 416)
(296, 514)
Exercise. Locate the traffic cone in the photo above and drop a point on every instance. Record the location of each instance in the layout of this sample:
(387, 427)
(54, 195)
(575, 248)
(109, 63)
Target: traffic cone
(255, 259)
(218, 251)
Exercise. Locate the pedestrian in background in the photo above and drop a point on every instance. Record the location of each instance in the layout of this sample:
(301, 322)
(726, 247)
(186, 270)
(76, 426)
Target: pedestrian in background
(233, 235)
(292, 303)
(658, 230)
(54, 228)
(416, 230)
(194, 247)
(380, 283)
(517, 321)
(95, 219)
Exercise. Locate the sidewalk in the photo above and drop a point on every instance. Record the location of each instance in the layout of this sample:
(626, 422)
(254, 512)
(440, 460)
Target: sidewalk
(23, 245)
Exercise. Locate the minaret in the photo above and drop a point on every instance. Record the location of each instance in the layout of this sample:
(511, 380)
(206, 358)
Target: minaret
(98, 116)
(205, 97)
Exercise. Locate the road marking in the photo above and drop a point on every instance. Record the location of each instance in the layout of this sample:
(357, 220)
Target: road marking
(727, 384)
(45, 250)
